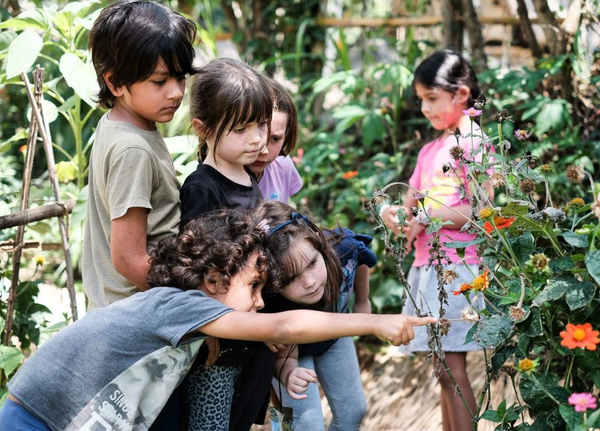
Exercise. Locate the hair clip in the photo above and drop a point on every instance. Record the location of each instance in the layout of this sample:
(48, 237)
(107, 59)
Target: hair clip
(294, 216)
(264, 225)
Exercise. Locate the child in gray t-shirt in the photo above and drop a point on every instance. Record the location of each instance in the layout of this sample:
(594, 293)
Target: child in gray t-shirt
(117, 367)
(142, 52)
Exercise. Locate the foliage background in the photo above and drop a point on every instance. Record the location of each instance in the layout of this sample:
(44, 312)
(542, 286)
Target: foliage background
(360, 125)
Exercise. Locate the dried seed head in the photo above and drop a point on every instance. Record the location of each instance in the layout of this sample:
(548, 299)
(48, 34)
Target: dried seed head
(527, 185)
(457, 152)
(517, 313)
(448, 276)
(509, 370)
(575, 174)
(498, 180)
(469, 315)
(445, 325)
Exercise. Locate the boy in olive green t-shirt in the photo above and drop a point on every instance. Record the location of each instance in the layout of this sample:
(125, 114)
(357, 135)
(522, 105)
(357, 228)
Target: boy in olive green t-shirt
(142, 52)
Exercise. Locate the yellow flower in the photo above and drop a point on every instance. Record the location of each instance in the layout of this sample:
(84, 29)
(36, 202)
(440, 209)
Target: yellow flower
(526, 365)
(485, 213)
(39, 260)
(482, 282)
(578, 202)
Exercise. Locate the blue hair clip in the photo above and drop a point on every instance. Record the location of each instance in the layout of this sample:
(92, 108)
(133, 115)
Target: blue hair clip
(294, 216)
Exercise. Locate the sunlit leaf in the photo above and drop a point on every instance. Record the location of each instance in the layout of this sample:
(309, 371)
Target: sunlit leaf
(23, 52)
(80, 76)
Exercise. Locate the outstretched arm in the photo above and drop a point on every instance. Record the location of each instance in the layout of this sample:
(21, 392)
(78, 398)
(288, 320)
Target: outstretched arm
(307, 326)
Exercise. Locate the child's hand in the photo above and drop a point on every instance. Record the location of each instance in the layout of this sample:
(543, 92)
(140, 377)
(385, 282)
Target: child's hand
(398, 328)
(298, 380)
(411, 231)
(276, 347)
(363, 306)
(214, 350)
(389, 216)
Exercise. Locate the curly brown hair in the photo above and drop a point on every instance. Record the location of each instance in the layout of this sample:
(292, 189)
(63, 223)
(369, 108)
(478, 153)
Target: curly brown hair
(216, 245)
(275, 213)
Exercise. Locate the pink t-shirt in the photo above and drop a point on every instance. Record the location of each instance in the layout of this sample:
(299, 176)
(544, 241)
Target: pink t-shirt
(429, 177)
(280, 180)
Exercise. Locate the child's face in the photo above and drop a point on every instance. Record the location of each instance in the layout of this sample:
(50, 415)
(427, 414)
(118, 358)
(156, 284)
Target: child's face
(241, 146)
(308, 286)
(273, 148)
(439, 107)
(154, 100)
(245, 289)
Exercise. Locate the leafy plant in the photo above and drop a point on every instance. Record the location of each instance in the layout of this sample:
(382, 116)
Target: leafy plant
(540, 282)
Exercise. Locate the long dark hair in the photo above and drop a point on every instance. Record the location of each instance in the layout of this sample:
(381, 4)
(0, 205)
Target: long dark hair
(129, 38)
(275, 213)
(226, 93)
(217, 244)
(282, 102)
(448, 70)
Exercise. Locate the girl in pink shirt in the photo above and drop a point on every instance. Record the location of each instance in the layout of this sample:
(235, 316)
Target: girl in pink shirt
(447, 86)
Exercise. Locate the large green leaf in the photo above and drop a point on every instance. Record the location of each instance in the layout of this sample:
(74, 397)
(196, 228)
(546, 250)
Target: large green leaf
(575, 240)
(80, 76)
(556, 288)
(493, 330)
(10, 358)
(372, 128)
(592, 263)
(23, 52)
(30, 19)
(523, 246)
(580, 295)
(553, 115)
(327, 81)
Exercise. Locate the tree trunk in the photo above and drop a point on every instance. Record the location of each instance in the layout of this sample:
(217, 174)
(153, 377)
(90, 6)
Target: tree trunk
(557, 41)
(534, 46)
(475, 36)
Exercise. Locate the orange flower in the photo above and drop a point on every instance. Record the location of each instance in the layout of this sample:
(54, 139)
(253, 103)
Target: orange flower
(349, 175)
(580, 336)
(483, 281)
(23, 149)
(465, 287)
(500, 222)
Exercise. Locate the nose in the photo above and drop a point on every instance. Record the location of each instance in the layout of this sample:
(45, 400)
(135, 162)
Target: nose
(259, 303)
(256, 137)
(425, 108)
(265, 150)
(308, 281)
(176, 88)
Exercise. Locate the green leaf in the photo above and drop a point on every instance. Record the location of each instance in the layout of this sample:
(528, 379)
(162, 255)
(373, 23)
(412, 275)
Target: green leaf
(23, 52)
(463, 244)
(66, 171)
(493, 330)
(10, 359)
(523, 246)
(535, 396)
(592, 263)
(30, 19)
(556, 288)
(574, 240)
(491, 415)
(349, 111)
(581, 295)
(553, 115)
(326, 82)
(6, 38)
(570, 416)
(4, 146)
(80, 76)
(533, 324)
(501, 356)
(372, 128)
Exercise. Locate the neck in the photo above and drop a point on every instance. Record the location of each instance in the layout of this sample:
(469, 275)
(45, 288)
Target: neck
(122, 112)
(234, 172)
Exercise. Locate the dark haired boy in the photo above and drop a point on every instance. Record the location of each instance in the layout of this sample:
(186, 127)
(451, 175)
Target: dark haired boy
(142, 52)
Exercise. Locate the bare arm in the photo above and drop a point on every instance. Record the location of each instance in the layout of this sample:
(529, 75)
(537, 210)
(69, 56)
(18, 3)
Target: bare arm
(307, 326)
(128, 246)
(362, 304)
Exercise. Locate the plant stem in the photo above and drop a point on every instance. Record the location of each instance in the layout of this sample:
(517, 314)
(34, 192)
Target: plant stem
(544, 390)
(568, 378)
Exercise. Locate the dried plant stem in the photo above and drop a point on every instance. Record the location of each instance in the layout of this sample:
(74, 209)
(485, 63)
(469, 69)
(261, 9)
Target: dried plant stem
(444, 205)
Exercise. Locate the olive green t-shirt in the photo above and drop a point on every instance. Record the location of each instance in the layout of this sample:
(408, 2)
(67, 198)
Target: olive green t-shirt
(129, 167)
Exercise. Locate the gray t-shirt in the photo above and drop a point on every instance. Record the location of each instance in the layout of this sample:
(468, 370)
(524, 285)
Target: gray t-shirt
(116, 368)
(129, 167)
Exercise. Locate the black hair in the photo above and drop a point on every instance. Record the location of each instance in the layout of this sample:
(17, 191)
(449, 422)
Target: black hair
(129, 38)
(280, 243)
(282, 102)
(226, 93)
(210, 249)
(448, 70)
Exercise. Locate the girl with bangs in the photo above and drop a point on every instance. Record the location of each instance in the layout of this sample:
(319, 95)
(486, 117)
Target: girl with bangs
(231, 108)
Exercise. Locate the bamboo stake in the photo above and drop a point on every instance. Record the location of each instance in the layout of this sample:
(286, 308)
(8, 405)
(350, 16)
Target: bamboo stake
(55, 188)
(17, 250)
(24, 217)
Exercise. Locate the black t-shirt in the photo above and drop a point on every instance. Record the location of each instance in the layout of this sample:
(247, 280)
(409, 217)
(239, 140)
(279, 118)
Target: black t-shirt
(206, 189)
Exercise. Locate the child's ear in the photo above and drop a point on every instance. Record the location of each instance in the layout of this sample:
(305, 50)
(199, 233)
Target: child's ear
(116, 91)
(462, 95)
(212, 282)
(199, 127)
